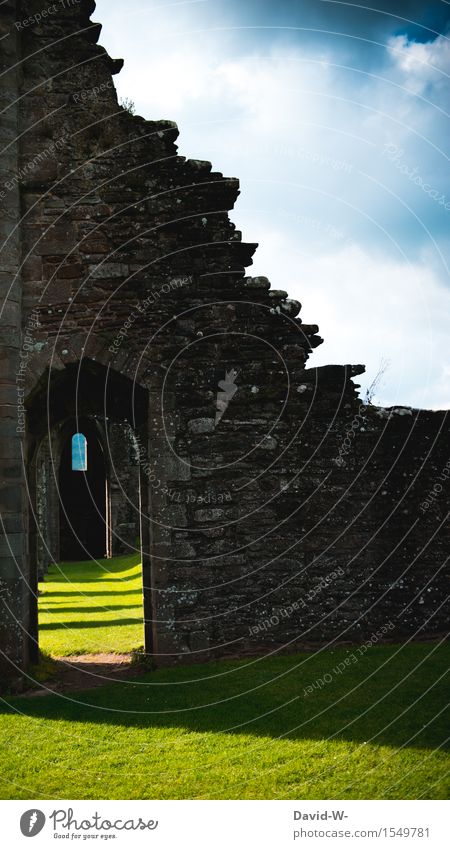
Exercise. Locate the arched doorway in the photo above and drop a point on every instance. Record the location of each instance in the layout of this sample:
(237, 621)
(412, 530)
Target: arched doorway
(83, 526)
(84, 504)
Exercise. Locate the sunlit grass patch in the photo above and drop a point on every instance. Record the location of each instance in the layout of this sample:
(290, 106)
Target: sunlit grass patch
(92, 607)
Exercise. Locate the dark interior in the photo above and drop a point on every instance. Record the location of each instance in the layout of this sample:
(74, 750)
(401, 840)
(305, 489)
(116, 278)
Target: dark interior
(83, 501)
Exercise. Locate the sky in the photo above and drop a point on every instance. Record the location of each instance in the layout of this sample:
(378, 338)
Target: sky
(335, 118)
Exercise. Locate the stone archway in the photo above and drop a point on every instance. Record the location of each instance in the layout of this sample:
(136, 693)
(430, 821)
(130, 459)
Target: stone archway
(72, 514)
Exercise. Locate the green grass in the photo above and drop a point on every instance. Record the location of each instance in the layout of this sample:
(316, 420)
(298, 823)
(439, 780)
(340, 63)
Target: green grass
(240, 730)
(92, 607)
(253, 729)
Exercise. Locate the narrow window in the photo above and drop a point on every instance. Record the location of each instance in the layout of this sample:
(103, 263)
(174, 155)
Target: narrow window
(79, 453)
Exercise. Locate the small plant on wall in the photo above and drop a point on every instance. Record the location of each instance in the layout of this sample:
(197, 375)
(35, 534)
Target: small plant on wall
(128, 105)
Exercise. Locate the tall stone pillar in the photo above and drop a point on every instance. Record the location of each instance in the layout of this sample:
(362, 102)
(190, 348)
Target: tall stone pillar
(14, 578)
(150, 628)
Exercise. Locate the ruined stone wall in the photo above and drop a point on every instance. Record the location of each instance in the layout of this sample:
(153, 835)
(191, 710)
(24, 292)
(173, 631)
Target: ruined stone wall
(130, 260)
(47, 505)
(327, 534)
(123, 476)
(14, 577)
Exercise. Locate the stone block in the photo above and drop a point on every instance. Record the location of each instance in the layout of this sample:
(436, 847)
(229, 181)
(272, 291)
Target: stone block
(211, 515)
(202, 425)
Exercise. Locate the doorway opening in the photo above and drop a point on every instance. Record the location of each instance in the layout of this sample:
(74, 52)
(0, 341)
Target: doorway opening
(86, 546)
(83, 527)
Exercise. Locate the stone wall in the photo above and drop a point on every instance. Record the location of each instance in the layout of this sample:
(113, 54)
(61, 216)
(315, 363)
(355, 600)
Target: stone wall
(254, 497)
(14, 575)
(121, 447)
(327, 534)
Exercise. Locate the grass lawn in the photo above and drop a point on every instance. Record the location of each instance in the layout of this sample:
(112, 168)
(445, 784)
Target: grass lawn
(92, 607)
(240, 730)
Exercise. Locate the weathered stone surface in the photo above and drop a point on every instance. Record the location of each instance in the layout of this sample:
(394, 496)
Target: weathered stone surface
(211, 515)
(201, 426)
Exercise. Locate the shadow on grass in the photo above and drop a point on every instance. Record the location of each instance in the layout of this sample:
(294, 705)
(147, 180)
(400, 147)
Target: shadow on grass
(73, 594)
(77, 577)
(94, 570)
(394, 696)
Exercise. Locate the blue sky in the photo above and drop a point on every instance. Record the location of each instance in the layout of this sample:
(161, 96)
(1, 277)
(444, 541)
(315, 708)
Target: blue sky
(335, 119)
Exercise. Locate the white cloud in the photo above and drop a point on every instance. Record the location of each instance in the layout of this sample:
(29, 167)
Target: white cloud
(423, 65)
